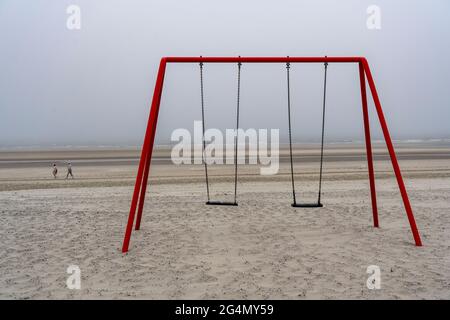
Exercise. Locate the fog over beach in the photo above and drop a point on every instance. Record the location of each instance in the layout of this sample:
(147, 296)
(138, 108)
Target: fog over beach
(77, 79)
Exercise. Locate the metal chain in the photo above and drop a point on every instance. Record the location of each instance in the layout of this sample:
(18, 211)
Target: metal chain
(288, 66)
(237, 128)
(203, 129)
(323, 129)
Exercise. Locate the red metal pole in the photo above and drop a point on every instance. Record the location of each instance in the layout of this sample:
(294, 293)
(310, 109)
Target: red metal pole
(387, 138)
(373, 194)
(263, 59)
(146, 150)
(143, 190)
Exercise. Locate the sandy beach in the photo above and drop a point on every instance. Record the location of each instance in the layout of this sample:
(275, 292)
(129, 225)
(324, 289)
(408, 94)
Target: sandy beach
(261, 249)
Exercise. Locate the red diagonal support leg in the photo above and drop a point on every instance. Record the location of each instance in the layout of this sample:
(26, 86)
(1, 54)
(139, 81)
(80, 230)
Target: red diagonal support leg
(143, 190)
(146, 151)
(387, 137)
(373, 194)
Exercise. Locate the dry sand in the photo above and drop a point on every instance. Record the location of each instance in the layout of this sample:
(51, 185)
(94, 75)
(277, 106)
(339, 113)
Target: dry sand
(261, 249)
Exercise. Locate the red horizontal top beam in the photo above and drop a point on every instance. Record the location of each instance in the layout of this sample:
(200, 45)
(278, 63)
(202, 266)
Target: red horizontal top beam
(262, 59)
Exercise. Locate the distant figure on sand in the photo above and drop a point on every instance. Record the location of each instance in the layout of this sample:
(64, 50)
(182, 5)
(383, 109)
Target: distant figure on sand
(55, 170)
(69, 170)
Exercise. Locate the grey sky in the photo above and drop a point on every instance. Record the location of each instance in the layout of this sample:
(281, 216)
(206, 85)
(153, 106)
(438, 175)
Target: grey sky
(94, 85)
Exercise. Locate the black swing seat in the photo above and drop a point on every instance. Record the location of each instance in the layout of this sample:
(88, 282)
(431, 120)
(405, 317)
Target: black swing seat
(307, 205)
(221, 203)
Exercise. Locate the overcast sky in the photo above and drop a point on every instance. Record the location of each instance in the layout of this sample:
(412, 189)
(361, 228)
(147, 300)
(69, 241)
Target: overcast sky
(93, 86)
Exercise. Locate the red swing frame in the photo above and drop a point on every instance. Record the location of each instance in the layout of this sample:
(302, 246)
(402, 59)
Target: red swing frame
(364, 72)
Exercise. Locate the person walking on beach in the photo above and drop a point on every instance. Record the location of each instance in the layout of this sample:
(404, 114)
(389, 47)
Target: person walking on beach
(55, 170)
(69, 170)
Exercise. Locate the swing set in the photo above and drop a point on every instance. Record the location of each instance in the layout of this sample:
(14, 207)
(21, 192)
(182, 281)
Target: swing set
(140, 187)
